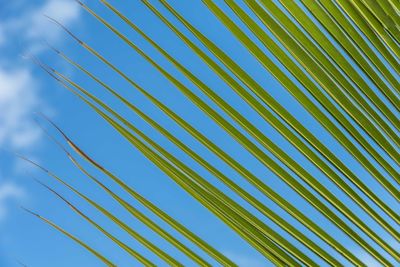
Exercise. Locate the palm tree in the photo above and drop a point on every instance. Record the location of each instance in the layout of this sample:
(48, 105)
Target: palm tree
(338, 59)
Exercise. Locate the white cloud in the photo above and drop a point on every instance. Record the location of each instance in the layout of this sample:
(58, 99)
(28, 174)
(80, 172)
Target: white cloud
(23, 31)
(8, 192)
(64, 11)
(18, 99)
(30, 26)
(19, 89)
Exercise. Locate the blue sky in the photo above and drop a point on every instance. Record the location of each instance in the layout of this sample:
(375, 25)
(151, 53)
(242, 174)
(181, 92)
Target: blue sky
(25, 89)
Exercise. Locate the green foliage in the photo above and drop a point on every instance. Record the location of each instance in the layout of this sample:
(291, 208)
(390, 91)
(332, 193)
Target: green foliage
(324, 69)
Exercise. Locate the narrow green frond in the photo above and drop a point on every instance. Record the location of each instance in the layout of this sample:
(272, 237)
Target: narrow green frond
(77, 240)
(297, 187)
(228, 206)
(176, 225)
(132, 210)
(335, 29)
(124, 246)
(249, 226)
(275, 197)
(376, 25)
(319, 96)
(361, 43)
(339, 60)
(121, 224)
(316, 63)
(321, 207)
(347, 229)
(298, 127)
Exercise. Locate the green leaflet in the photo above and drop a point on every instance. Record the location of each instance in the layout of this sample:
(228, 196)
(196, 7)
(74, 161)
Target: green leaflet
(176, 225)
(121, 224)
(322, 68)
(244, 227)
(77, 240)
(319, 96)
(132, 252)
(361, 43)
(387, 17)
(217, 202)
(368, 32)
(267, 99)
(256, 133)
(275, 197)
(337, 32)
(294, 35)
(143, 218)
(297, 187)
(378, 29)
(381, 24)
(132, 210)
(347, 229)
(263, 209)
(311, 65)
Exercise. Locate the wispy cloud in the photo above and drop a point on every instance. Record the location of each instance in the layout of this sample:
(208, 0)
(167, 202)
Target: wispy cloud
(30, 26)
(18, 98)
(19, 89)
(8, 192)
(23, 31)
(64, 11)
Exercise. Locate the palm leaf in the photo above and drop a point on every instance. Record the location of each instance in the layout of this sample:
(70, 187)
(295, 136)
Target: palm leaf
(292, 182)
(349, 86)
(77, 240)
(132, 252)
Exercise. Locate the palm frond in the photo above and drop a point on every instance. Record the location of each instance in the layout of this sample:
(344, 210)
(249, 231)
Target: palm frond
(337, 58)
(77, 240)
